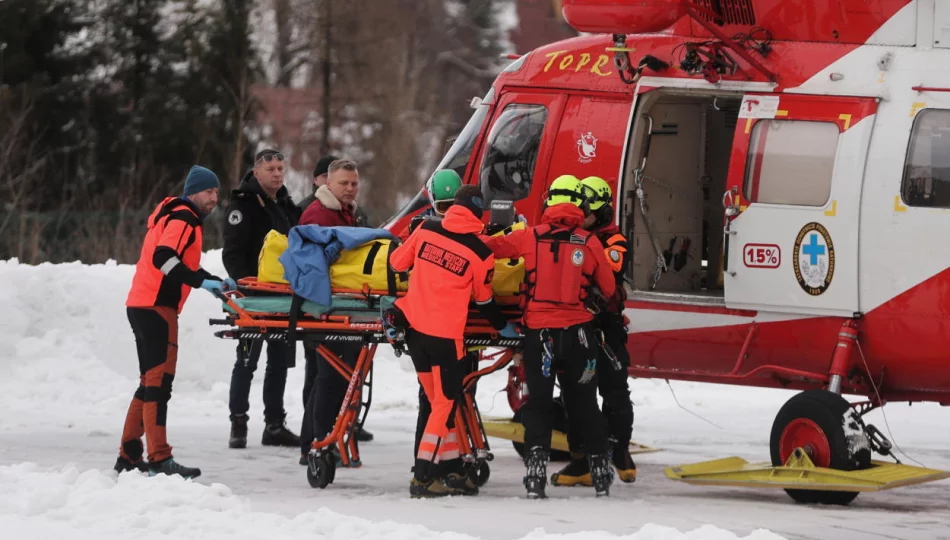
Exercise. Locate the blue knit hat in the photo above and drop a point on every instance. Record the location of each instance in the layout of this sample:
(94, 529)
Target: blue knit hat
(200, 179)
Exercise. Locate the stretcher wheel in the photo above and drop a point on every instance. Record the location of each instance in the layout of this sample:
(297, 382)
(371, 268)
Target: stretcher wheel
(482, 472)
(830, 432)
(558, 422)
(326, 471)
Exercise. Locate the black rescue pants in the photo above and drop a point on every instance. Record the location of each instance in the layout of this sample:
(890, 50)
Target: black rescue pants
(612, 384)
(275, 378)
(574, 350)
(309, 378)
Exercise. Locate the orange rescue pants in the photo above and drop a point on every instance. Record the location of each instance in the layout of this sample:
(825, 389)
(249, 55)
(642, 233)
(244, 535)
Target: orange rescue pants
(156, 340)
(438, 363)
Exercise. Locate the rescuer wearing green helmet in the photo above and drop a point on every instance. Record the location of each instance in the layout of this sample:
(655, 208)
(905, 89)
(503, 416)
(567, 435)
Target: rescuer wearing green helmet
(440, 189)
(563, 264)
(613, 360)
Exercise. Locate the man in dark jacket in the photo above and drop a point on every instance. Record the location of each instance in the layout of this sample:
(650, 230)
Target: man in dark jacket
(320, 175)
(324, 387)
(259, 204)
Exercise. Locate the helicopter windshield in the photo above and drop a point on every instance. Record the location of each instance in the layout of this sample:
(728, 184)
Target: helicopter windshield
(457, 157)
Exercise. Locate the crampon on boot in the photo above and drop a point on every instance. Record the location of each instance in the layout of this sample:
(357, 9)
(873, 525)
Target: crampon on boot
(623, 462)
(536, 462)
(601, 474)
(169, 466)
(575, 473)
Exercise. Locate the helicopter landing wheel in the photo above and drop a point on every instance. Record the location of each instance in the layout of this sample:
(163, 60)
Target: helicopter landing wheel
(830, 432)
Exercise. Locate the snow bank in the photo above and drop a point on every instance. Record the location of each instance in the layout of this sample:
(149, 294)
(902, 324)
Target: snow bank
(69, 359)
(81, 505)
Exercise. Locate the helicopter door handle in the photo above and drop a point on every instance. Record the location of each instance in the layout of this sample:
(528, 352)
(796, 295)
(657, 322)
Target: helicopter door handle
(729, 203)
(727, 230)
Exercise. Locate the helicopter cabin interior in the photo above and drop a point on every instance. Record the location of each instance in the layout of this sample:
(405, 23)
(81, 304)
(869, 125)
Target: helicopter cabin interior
(679, 157)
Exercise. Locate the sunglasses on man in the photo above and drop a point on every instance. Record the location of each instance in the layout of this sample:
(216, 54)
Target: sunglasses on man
(267, 158)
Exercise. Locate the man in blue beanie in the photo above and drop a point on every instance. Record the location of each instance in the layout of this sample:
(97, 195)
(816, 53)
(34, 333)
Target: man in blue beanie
(200, 180)
(167, 269)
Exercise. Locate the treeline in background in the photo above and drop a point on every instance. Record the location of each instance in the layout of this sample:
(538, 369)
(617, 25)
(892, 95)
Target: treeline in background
(105, 104)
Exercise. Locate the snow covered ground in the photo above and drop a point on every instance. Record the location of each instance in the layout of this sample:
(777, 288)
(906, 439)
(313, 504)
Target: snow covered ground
(68, 369)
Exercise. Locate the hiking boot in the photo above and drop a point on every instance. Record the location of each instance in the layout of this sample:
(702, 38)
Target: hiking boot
(170, 466)
(623, 462)
(238, 431)
(123, 465)
(536, 463)
(277, 434)
(419, 489)
(575, 473)
(601, 474)
(362, 435)
(462, 483)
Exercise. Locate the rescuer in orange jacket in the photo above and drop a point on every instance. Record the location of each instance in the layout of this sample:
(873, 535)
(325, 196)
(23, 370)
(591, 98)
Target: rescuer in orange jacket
(167, 269)
(563, 264)
(451, 266)
(613, 358)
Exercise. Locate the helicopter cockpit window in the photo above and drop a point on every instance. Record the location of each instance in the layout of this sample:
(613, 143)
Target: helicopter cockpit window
(512, 152)
(460, 152)
(927, 168)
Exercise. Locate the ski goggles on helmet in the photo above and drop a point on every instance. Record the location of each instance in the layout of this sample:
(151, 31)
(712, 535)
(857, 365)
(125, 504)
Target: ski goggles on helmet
(442, 206)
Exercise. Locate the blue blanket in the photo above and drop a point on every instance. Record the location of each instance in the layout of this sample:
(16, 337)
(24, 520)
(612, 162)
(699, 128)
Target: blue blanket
(311, 249)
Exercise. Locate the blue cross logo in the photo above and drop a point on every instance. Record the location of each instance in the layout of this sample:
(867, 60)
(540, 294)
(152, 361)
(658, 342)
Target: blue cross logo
(813, 249)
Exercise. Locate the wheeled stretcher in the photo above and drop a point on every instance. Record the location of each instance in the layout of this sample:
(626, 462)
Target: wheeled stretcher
(271, 311)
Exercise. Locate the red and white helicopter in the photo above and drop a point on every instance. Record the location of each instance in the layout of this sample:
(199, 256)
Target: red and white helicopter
(782, 169)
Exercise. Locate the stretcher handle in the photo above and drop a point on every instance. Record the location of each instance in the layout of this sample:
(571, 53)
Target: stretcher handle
(220, 296)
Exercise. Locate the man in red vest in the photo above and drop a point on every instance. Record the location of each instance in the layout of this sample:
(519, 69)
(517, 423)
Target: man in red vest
(563, 264)
(613, 360)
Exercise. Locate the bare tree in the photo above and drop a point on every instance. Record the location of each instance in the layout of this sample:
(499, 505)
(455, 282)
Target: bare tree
(21, 163)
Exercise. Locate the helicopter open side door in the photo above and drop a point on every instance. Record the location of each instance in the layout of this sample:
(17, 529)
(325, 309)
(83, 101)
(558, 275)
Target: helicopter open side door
(793, 203)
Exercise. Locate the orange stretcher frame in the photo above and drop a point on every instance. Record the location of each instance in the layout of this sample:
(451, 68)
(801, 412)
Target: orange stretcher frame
(340, 444)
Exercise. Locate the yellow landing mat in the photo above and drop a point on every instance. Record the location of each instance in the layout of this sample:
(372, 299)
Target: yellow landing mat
(514, 431)
(801, 473)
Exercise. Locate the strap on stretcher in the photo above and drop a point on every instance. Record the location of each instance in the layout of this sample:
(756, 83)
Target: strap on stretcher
(296, 307)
